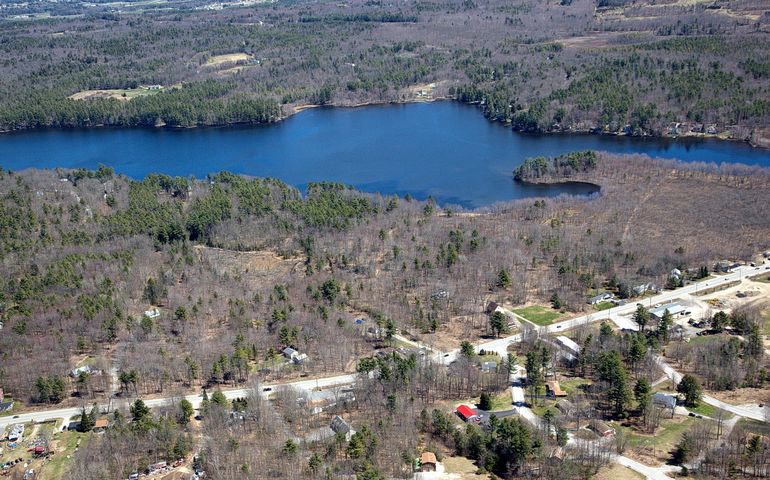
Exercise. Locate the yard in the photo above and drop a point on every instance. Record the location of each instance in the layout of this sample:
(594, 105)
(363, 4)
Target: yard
(614, 471)
(538, 314)
(604, 306)
(65, 444)
(657, 448)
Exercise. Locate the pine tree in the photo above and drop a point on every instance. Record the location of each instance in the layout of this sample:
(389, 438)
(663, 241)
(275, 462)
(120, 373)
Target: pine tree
(665, 323)
(641, 316)
(503, 279)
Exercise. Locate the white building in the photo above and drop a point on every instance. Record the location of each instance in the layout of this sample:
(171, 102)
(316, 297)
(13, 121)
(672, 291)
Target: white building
(569, 344)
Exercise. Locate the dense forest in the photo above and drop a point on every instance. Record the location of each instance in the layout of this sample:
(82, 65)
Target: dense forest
(636, 68)
(240, 268)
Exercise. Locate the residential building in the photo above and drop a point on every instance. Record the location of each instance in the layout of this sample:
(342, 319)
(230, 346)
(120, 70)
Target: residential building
(339, 425)
(290, 353)
(489, 367)
(428, 462)
(569, 344)
(602, 297)
(665, 401)
(17, 433)
(6, 406)
(468, 414)
(601, 428)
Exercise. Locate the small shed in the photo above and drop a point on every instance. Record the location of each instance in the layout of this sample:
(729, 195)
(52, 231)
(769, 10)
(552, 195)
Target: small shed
(152, 313)
(491, 307)
(428, 462)
(101, 425)
(553, 389)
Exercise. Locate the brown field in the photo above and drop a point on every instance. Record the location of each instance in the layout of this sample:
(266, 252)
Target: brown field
(614, 471)
(231, 58)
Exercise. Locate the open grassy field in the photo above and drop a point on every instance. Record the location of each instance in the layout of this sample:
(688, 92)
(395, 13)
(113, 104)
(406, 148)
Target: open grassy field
(66, 443)
(230, 58)
(604, 306)
(538, 314)
(118, 93)
(614, 471)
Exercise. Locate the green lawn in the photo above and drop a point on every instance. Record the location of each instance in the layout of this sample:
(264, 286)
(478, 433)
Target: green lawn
(667, 436)
(538, 315)
(709, 411)
(572, 385)
(604, 306)
(501, 401)
(67, 443)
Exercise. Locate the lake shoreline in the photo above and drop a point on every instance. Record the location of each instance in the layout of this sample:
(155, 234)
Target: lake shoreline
(593, 131)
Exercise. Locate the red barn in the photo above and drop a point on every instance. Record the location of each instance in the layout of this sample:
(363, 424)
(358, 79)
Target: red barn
(467, 413)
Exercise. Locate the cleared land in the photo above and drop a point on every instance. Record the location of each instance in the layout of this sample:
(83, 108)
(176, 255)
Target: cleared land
(230, 58)
(118, 94)
(537, 314)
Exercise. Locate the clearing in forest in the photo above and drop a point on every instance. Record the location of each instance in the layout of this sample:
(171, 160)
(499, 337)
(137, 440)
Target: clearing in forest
(117, 93)
(228, 59)
(537, 314)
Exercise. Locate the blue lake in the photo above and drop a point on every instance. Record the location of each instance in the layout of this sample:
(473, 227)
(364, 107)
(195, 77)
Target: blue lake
(444, 149)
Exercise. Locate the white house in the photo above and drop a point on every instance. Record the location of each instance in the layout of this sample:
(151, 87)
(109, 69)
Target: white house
(602, 297)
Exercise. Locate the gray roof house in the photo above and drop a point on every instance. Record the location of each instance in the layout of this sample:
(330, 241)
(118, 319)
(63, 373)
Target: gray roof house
(664, 400)
(6, 406)
(600, 298)
(290, 353)
(338, 425)
(489, 367)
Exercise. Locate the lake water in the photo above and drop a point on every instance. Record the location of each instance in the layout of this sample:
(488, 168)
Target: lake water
(444, 149)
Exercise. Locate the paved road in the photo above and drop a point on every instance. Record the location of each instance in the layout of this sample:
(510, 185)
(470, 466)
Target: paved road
(195, 399)
(500, 345)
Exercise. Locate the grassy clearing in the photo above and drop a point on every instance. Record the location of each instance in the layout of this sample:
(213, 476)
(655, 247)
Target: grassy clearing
(538, 315)
(604, 306)
(615, 471)
(572, 385)
(666, 437)
(67, 443)
(709, 411)
(118, 93)
(708, 339)
(231, 58)
(755, 427)
(463, 467)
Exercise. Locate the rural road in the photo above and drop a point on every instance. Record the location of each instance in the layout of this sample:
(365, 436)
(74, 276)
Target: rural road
(195, 400)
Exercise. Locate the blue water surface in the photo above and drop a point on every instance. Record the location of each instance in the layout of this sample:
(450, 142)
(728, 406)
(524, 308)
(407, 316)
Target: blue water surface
(445, 149)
